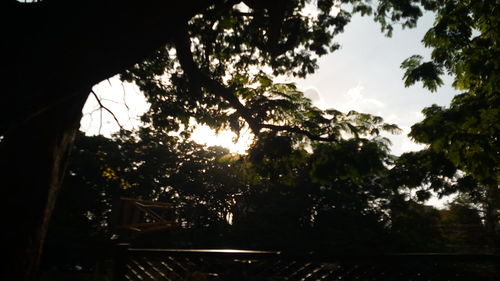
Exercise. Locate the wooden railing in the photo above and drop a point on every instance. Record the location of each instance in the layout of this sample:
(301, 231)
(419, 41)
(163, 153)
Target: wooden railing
(242, 265)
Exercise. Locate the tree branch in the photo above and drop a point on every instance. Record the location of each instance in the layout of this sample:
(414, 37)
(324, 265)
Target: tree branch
(107, 109)
(299, 131)
(198, 79)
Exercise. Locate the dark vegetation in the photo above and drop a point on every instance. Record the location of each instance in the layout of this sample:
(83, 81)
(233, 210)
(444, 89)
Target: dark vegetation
(312, 179)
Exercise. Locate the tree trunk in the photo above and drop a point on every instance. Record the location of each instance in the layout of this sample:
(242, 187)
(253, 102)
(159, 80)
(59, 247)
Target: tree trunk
(34, 154)
(492, 215)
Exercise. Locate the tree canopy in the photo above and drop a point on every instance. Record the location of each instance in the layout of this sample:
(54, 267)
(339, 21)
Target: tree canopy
(216, 62)
(464, 44)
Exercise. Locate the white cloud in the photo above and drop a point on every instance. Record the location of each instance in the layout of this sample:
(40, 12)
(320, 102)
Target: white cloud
(316, 97)
(355, 100)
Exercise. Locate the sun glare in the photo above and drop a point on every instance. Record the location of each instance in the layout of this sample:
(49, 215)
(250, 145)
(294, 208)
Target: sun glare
(204, 135)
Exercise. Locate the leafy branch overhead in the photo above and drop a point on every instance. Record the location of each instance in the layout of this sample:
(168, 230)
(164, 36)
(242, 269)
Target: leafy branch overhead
(464, 43)
(219, 70)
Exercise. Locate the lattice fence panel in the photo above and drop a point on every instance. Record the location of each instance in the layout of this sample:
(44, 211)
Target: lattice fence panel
(201, 268)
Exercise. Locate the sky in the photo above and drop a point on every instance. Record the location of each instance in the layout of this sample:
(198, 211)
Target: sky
(364, 75)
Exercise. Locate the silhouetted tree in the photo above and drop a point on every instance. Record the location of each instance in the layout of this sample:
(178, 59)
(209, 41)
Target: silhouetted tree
(57, 50)
(464, 40)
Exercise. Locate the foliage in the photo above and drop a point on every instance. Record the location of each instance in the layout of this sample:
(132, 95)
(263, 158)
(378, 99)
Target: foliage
(242, 199)
(309, 173)
(415, 227)
(462, 228)
(464, 42)
(429, 172)
(219, 70)
(467, 133)
(321, 202)
(417, 177)
(218, 67)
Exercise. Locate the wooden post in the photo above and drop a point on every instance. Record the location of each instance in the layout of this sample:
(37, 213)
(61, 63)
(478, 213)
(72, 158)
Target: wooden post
(119, 261)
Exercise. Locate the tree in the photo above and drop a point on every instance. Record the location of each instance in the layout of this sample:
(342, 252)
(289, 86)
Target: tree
(79, 228)
(286, 198)
(194, 178)
(466, 134)
(418, 176)
(49, 69)
(62, 62)
(462, 228)
(315, 199)
(464, 40)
